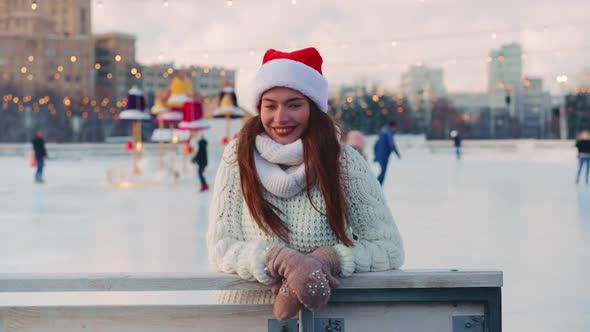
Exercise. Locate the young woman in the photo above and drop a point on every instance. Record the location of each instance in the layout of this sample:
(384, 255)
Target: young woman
(292, 208)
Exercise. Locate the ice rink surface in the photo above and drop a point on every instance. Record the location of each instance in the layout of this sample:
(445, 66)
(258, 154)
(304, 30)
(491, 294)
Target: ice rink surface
(513, 209)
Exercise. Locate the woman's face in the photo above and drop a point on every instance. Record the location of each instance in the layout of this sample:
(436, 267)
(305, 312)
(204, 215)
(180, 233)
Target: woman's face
(284, 114)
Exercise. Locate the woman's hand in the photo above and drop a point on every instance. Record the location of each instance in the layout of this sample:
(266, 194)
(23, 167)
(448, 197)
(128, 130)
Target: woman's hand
(310, 277)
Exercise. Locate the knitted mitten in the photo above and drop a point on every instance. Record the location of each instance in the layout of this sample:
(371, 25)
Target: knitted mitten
(309, 277)
(328, 256)
(286, 303)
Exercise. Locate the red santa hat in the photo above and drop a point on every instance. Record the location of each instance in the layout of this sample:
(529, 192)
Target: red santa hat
(299, 70)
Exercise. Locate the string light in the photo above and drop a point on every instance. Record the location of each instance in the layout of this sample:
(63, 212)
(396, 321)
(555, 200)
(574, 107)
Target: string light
(166, 3)
(99, 4)
(393, 43)
(118, 58)
(229, 3)
(34, 5)
(66, 101)
(416, 38)
(453, 61)
(73, 58)
(293, 2)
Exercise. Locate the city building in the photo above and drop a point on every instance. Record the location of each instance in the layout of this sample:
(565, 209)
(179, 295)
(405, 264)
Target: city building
(505, 76)
(422, 82)
(48, 48)
(534, 109)
(422, 85)
(115, 62)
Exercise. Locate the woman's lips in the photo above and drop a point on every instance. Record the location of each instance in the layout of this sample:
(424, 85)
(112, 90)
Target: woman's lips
(283, 131)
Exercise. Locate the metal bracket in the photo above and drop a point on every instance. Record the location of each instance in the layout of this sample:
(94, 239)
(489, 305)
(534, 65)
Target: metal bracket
(468, 323)
(290, 325)
(319, 325)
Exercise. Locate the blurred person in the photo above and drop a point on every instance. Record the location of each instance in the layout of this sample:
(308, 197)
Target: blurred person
(583, 146)
(383, 148)
(356, 140)
(457, 140)
(201, 160)
(40, 154)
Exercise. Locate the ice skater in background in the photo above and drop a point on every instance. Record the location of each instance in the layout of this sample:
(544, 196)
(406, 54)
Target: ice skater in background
(40, 156)
(201, 160)
(457, 139)
(384, 146)
(583, 145)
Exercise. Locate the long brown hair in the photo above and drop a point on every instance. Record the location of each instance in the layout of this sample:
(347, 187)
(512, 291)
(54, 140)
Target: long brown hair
(321, 155)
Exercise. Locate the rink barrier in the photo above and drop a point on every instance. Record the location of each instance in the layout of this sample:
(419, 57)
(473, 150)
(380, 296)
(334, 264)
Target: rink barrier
(408, 300)
(72, 151)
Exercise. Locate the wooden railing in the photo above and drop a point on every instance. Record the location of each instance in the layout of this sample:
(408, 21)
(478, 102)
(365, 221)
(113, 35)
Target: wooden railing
(382, 301)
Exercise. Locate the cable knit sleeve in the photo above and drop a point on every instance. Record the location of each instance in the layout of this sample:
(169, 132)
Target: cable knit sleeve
(227, 248)
(378, 245)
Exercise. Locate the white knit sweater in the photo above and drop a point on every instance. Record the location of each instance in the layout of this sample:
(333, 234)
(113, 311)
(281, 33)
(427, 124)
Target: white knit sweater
(236, 244)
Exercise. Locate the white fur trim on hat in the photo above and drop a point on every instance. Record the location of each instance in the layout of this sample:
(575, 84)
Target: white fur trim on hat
(294, 75)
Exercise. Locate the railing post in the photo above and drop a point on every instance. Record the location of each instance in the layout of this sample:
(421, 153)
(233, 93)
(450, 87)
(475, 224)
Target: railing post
(306, 320)
(493, 310)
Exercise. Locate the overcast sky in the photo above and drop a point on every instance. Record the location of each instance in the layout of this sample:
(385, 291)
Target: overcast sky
(355, 37)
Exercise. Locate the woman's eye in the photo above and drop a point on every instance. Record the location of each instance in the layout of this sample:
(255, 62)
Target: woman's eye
(295, 105)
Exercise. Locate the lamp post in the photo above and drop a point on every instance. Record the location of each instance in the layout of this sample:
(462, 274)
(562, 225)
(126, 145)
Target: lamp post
(561, 80)
(158, 109)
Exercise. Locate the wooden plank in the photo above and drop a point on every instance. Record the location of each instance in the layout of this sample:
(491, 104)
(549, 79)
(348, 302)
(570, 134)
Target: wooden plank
(207, 282)
(122, 282)
(247, 318)
(423, 279)
(243, 318)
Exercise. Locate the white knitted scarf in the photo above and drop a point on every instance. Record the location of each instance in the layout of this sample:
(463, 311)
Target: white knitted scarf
(267, 158)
